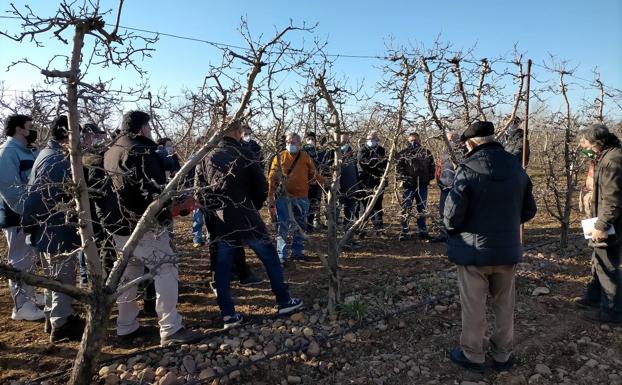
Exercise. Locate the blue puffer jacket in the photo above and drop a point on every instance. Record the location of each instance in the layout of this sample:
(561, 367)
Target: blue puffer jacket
(15, 162)
(49, 207)
(490, 198)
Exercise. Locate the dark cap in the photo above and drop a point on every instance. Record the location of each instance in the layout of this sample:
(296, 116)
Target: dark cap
(60, 128)
(477, 130)
(92, 128)
(133, 121)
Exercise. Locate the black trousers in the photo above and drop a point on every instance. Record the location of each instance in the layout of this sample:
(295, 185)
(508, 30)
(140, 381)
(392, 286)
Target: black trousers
(315, 198)
(606, 284)
(376, 212)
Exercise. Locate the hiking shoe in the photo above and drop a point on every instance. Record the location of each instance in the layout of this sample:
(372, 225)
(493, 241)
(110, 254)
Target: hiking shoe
(439, 239)
(138, 333)
(424, 236)
(403, 237)
(290, 306)
(503, 366)
(300, 258)
(28, 312)
(250, 280)
(457, 357)
(603, 317)
(232, 321)
(584, 303)
(71, 330)
(182, 336)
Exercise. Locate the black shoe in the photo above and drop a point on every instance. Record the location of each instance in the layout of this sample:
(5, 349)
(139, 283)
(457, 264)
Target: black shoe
(503, 366)
(233, 321)
(250, 280)
(291, 306)
(403, 237)
(439, 239)
(603, 317)
(424, 236)
(182, 336)
(141, 332)
(71, 330)
(457, 357)
(300, 258)
(584, 303)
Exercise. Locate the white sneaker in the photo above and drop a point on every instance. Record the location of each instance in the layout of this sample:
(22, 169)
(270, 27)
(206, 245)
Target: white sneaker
(28, 312)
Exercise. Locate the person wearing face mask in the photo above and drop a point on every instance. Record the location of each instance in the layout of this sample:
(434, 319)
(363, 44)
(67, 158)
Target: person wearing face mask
(490, 198)
(288, 184)
(170, 159)
(372, 162)
(137, 175)
(16, 160)
(445, 173)
(315, 190)
(512, 141)
(415, 171)
(55, 232)
(251, 145)
(603, 295)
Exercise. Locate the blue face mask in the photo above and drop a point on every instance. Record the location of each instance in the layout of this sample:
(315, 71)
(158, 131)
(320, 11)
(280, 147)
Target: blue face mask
(292, 148)
(345, 148)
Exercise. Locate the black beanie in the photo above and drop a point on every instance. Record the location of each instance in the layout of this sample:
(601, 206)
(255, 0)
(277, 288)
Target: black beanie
(60, 128)
(478, 129)
(133, 121)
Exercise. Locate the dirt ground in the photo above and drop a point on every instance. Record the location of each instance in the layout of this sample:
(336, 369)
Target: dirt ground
(553, 343)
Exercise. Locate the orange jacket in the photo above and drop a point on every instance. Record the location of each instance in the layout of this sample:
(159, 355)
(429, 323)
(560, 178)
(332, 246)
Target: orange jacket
(298, 180)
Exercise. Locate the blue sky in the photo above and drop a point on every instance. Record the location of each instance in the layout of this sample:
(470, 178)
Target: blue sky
(589, 33)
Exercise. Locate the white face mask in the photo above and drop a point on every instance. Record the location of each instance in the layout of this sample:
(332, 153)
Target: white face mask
(292, 148)
(170, 149)
(372, 143)
(246, 138)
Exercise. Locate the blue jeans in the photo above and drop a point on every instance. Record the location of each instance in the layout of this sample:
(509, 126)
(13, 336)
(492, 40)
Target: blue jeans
(420, 196)
(285, 224)
(197, 226)
(266, 252)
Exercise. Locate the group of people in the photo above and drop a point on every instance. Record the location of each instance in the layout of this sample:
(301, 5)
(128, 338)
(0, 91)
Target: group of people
(124, 177)
(485, 192)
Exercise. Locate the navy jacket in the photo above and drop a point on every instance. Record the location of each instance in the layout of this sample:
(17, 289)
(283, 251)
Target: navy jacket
(235, 188)
(49, 206)
(490, 198)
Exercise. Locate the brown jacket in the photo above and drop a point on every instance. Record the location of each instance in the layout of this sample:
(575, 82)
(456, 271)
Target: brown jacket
(304, 171)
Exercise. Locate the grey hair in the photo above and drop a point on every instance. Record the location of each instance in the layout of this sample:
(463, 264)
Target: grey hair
(597, 134)
(293, 135)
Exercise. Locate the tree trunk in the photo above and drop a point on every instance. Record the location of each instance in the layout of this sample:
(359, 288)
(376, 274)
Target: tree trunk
(563, 240)
(334, 277)
(93, 339)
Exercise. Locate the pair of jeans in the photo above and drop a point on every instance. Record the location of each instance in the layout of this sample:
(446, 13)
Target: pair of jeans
(197, 226)
(286, 225)
(266, 252)
(349, 205)
(420, 196)
(605, 286)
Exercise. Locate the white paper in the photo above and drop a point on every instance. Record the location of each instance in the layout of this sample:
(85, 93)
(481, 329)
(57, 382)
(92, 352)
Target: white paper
(588, 227)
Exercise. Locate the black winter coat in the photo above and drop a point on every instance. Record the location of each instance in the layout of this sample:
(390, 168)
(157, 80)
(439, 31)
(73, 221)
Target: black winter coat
(236, 188)
(415, 166)
(138, 177)
(607, 197)
(372, 163)
(513, 143)
(490, 198)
